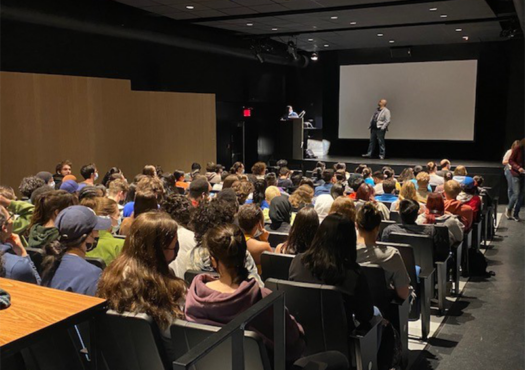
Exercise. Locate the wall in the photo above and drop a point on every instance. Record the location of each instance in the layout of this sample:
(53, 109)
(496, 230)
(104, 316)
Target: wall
(48, 118)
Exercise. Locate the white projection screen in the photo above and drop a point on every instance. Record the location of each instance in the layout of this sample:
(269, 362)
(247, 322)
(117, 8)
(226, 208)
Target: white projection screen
(428, 101)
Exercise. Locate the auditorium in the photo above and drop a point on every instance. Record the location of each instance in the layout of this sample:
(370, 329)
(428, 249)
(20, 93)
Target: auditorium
(262, 184)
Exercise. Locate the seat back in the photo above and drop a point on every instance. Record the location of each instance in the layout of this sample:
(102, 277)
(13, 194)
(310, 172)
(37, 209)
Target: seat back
(275, 265)
(189, 275)
(433, 187)
(37, 256)
(395, 216)
(96, 261)
(321, 311)
(277, 238)
(422, 245)
(186, 335)
(384, 224)
(129, 342)
(387, 204)
(180, 190)
(375, 276)
(407, 254)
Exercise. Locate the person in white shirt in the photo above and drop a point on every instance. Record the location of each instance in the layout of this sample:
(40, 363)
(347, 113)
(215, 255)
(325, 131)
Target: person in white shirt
(506, 169)
(435, 179)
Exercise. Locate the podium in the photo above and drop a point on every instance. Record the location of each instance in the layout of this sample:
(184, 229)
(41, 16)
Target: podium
(291, 139)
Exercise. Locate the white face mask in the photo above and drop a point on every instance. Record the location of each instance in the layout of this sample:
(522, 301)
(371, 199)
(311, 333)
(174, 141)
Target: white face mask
(116, 228)
(96, 176)
(51, 185)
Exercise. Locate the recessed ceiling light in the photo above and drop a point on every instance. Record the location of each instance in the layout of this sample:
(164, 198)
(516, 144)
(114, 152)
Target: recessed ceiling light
(274, 29)
(334, 17)
(465, 38)
(380, 35)
(391, 41)
(433, 9)
(190, 7)
(314, 27)
(443, 16)
(326, 45)
(310, 40)
(249, 24)
(314, 57)
(353, 23)
(459, 29)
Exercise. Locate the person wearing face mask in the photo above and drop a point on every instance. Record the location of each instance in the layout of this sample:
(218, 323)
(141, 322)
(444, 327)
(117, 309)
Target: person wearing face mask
(251, 221)
(14, 259)
(42, 229)
(108, 247)
(118, 191)
(140, 281)
(64, 266)
(90, 174)
(47, 177)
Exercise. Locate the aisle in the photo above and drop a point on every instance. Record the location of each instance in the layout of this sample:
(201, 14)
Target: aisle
(484, 328)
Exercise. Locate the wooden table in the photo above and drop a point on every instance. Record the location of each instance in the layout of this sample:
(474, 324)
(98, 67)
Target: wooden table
(36, 312)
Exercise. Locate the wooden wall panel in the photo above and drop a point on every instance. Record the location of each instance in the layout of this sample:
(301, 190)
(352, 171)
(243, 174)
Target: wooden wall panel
(47, 118)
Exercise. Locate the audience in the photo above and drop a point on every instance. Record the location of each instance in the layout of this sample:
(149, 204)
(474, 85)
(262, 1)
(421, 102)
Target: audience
(259, 194)
(280, 215)
(62, 169)
(258, 172)
(378, 178)
(237, 169)
(343, 206)
(179, 180)
(251, 222)
(213, 173)
(28, 185)
(270, 193)
(370, 253)
(365, 193)
(22, 211)
(460, 172)
(456, 207)
(14, 260)
(117, 191)
(327, 183)
(69, 186)
(199, 191)
(331, 259)
(90, 174)
(217, 301)
(408, 191)
(302, 232)
(469, 197)
(445, 167)
(435, 179)
(423, 180)
(301, 197)
(242, 190)
(406, 175)
(337, 190)
(284, 181)
(65, 267)
(145, 201)
(389, 189)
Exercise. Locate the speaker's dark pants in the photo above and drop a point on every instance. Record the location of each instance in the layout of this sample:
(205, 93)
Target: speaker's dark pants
(379, 135)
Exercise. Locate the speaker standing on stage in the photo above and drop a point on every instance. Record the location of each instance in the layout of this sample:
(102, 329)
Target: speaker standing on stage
(378, 127)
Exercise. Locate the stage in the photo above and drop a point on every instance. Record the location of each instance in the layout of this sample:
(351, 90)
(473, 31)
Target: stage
(492, 172)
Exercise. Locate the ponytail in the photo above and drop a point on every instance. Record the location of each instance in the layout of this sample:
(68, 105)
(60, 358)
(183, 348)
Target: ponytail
(54, 253)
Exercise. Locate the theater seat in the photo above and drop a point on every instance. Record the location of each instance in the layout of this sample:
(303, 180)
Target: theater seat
(277, 238)
(274, 265)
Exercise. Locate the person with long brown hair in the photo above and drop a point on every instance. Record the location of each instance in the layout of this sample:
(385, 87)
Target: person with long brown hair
(42, 228)
(301, 197)
(217, 301)
(343, 206)
(302, 232)
(366, 193)
(139, 280)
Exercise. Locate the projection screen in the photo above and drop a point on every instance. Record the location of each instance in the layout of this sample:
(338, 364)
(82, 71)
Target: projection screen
(427, 101)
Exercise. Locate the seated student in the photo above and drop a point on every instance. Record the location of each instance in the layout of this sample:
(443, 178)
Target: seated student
(22, 210)
(229, 181)
(212, 175)
(469, 197)
(365, 193)
(237, 169)
(354, 184)
(445, 167)
(251, 221)
(70, 186)
(195, 171)
(270, 193)
(446, 177)
(280, 215)
(112, 174)
(328, 181)
(14, 260)
(64, 267)
(179, 180)
(61, 170)
(369, 253)
(301, 197)
(367, 176)
(322, 206)
(284, 181)
(218, 211)
(343, 206)
(117, 191)
(408, 191)
(406, 175)
(340, 178)
(258, 172)
(389, 174)
(378, 178)
(302, 232)
(317, 173)
(150, 170)
(47, 177)
(389, 188)
(180, 209)
(423, 180)
(271, 179)
(144, 202)
(242, 189)
(460, 172)
(140, 281)
(341, 166)
(28, 185)
(258, 195)
(435, 179)
(308, 182)
(108, 247)
(337, 190)
(217, 301)
(456, 207)
(435, 214)
(331, 259)
(408, 211)
(199, 191)
(90, 174)
(42, 229)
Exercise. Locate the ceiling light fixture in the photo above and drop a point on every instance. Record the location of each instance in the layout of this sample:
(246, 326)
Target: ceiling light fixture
(190, 7)
(249, 24)
(465, 38)
(380, 35)
(310, 40)
(314, 57)
(326, 45)
(274, 29)
(353, 23)
(443, 16)
(459, 29)
(391, 41)
(334, 17)
(433, 9)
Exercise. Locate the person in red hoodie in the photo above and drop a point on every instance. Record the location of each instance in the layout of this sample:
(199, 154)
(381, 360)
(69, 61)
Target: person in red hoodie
(456, 207)
(518, 181)
(469, 197)
(217, 301)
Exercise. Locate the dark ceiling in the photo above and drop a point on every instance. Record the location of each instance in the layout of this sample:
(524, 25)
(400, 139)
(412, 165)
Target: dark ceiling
(316, 25)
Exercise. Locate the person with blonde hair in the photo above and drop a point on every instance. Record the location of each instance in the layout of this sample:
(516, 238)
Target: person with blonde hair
(345, 207)
(460, 172)
(301, 197)
(435, 179)
(408, 191)
(423, 180)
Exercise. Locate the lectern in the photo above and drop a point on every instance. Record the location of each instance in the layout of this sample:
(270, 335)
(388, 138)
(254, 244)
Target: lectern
(291, 139)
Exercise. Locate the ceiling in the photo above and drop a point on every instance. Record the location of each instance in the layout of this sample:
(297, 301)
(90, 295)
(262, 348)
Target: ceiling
(318, 25)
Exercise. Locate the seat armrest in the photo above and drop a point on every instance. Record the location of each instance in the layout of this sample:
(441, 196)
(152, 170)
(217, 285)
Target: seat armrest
(365, 328)
(427, 274)
(444, 261)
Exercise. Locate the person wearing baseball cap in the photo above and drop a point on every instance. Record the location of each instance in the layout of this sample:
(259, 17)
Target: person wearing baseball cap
(65, 267)
(469, 196)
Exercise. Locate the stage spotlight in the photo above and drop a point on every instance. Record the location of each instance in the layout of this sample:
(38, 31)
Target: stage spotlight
(314, 57)
(292, 50)
(256, 50)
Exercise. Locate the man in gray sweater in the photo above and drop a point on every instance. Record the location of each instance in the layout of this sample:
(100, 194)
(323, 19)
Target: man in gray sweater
(378, 127)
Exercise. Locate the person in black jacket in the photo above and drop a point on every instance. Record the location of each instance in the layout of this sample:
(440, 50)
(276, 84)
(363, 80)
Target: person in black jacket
(331, 259)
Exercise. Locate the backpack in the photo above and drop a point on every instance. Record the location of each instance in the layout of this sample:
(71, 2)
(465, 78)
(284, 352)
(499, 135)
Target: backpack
(478, 264)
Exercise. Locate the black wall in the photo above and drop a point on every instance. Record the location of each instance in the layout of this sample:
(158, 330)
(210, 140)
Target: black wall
(499, 118)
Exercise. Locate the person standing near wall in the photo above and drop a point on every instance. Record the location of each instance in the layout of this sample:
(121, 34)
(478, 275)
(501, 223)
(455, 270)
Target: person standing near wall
(506, 170)
(518, 181)
(378, 127)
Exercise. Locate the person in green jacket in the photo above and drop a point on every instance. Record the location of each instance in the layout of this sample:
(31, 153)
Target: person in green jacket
(108, 247)
(22, 210)
(42, 228)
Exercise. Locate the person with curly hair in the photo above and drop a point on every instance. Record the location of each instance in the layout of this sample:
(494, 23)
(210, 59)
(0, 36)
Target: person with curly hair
(61, 170)
(259, 194)
(28, 185)
(180, 209)
(242, 189)
(301, 197)
(205, 217)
